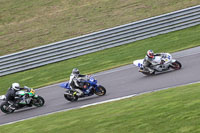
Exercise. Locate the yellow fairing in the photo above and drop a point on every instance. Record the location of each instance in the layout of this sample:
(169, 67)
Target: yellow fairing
(32, 91)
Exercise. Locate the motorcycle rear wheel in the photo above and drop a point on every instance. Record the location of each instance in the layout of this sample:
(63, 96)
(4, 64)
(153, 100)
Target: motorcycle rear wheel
(5, 108)
(71, 98)
(101, 92)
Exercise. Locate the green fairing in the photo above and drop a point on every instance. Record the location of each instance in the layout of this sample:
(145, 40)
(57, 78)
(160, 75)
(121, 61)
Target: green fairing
(23, 93)
(30, 94)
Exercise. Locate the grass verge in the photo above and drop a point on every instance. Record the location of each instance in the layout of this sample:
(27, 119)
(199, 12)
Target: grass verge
(103, 60)
(26, 24)
(175, 110)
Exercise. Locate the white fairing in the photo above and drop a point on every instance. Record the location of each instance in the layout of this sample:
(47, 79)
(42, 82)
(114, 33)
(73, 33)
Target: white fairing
(168, 58)
(3, 97)
(138, 63)
(20, 92)
(156, 62)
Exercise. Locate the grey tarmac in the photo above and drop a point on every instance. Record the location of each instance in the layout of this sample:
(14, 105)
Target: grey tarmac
(119, 82)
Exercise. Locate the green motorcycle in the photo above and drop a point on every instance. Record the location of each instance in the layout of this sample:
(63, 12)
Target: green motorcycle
(22, 99)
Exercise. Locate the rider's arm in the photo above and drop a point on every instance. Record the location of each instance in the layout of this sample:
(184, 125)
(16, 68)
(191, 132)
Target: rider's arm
(82, 76)
(27, 89)
(160, 54)
(163, 55)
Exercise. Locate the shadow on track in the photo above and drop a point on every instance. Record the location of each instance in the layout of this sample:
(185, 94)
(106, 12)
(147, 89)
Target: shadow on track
(81, 100)
(161, 73)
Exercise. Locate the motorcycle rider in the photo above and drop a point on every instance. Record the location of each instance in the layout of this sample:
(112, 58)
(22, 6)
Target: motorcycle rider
(11, 93)
(77, 81)
(149, 58)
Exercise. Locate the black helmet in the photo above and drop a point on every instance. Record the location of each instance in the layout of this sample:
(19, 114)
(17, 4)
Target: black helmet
(75, 71)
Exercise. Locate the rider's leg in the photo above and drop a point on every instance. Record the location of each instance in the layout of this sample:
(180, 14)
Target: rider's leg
(146, 66)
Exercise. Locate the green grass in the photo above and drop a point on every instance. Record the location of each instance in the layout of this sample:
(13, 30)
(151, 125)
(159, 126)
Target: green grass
(175, 110)
(26, 24)
(104, 60)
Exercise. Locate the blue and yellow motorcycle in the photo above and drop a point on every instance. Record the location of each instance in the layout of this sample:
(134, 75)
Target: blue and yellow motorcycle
(90, 87)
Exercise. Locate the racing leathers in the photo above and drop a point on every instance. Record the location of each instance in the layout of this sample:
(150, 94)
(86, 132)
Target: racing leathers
(10, 96)
(148, 62)
(77, 82)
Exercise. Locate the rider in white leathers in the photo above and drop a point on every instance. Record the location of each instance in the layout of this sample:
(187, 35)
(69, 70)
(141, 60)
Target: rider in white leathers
(149, 58)
(77, 81)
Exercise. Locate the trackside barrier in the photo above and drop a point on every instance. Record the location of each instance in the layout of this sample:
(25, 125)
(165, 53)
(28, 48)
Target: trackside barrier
(97, 41)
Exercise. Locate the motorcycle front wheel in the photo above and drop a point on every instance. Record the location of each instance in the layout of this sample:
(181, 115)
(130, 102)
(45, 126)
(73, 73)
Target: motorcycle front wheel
(101, 91)
(176, 65)
(5, 108)
(38, 102)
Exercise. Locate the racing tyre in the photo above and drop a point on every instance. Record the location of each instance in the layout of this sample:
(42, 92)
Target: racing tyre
(39, 101)
(71, 98)
(176, 65)
(5, 108)
(101, 91)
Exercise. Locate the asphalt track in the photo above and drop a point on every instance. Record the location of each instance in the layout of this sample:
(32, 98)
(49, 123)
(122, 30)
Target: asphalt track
(119, 82)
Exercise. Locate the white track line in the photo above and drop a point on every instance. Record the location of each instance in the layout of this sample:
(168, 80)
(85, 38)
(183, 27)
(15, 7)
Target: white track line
(115, 99)
(110, 100)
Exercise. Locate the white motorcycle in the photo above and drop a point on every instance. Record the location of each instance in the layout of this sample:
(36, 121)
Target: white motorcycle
(157, 64)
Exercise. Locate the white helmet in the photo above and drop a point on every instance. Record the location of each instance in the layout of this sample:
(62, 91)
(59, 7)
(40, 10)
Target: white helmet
(15, 86)
(150, 53)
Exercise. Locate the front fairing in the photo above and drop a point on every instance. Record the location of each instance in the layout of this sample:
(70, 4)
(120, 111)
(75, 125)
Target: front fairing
(92, 81)
(21, 93)
(30, 92)
(156, 60)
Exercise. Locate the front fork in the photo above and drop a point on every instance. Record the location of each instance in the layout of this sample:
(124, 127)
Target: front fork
(173, 61)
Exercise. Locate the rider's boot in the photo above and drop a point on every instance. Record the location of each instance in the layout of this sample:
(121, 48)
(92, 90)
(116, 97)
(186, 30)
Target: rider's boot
(151, 71)
(78, 92)
(141, 70)
(12, 107)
